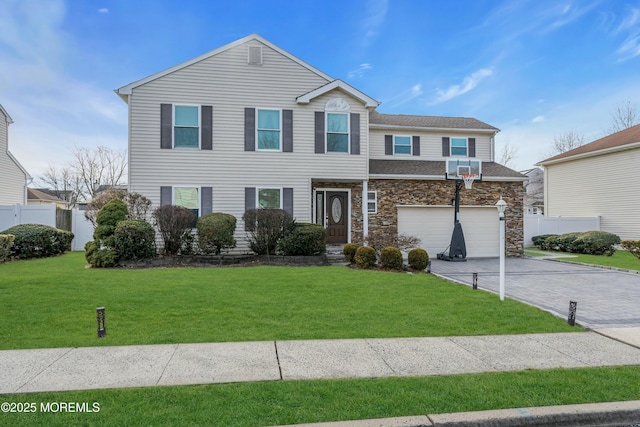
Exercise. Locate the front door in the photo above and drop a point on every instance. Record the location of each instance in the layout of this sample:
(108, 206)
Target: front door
(337, 215)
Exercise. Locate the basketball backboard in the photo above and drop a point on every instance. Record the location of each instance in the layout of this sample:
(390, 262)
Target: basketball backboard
(455, 168)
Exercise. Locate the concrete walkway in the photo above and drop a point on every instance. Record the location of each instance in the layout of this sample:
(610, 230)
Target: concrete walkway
(180, 364)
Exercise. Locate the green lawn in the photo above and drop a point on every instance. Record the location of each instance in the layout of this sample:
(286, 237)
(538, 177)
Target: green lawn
(288, 402)
(51, 303)
(620, 259)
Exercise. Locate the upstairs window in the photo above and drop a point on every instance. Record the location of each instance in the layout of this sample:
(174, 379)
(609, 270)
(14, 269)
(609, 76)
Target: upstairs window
(337, 133)
(186, 126)
(459, 147)
(268, 130)
(402, 145)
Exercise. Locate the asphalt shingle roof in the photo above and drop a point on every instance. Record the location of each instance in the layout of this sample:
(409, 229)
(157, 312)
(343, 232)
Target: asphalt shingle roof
(437, 122)
(624, 137)
(434, 168)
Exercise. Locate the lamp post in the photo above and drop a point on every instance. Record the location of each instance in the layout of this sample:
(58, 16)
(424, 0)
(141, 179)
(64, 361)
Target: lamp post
(501, 206)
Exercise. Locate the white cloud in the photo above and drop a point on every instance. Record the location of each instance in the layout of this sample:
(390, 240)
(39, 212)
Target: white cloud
(630, 25)
(360, 71)
(538, 119)
(103, 10)
(468, 83)
(406, 95)
(373, 20)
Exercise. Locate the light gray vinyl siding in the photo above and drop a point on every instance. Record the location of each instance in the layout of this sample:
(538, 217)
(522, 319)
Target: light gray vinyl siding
(597, 186)
(13, 181)
(430, 144)
(227, 83)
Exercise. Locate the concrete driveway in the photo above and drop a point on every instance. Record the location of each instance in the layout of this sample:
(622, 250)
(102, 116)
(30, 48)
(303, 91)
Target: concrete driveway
(606, 298)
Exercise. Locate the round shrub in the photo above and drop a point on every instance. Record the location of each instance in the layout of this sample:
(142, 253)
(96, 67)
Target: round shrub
(304, 239)
(349, 252)
(365, 257)
(90, 249)
(539, 241)
(391, 257)
(596, 243)
(109, 216)
(105, 258)
(135, 239)
(215, 232)
(38, 241)
(418, 259)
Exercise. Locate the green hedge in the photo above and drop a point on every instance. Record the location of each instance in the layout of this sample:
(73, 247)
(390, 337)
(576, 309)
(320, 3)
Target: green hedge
(38, 241)
(391, 258)
(6, 240)
(215, 232)
(589, 242)
(304, 239)
(135, 239)
(418, 259)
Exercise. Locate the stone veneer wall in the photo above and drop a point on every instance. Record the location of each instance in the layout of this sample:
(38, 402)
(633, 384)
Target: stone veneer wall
(355, 203)
(391, 193)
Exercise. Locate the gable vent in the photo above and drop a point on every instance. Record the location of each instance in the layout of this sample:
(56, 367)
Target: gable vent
(255, 55)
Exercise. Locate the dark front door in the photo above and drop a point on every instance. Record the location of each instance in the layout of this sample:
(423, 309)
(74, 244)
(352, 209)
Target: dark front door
(337, 211)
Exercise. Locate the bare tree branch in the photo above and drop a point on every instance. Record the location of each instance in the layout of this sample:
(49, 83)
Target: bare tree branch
(508, 153)
(565, 142)
(623, 117)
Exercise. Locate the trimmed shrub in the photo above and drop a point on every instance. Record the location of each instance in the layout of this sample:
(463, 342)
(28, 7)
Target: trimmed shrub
(38, 241)
(381, 239)
(632, 246)
(105, 258)
(90, 249)
(391, 257)
(304, 239)
(539, 241)
(365, 257)
(174, 225)
(265, 228)
(6, 240)
(549, 243)
(349, 252)
(107, 219)
(596, 243)
(135, 239)
(564, 242)
(418, 259)
(215, 232)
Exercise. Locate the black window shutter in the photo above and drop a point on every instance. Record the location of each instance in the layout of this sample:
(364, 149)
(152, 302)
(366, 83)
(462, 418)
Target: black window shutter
(166, 126)
(472, 147)
(249, 201)
(355, 133)
(249, 129)
(319, 131)
(166, 196)
(287, 131)
(206, 200)
(287, 200)
(388, 145)
(206, 127)
(416, 145)
(446, 152)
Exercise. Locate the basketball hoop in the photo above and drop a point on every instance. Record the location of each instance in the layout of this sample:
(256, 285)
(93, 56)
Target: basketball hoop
(468, 180)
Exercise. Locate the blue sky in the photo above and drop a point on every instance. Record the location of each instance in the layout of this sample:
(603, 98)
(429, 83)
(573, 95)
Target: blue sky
(534, 69)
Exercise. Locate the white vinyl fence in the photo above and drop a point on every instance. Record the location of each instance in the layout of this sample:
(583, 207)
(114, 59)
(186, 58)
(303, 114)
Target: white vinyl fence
(11, 215)
(535, 225)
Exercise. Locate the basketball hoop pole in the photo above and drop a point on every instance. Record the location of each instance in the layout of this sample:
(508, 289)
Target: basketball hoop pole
(457, 248)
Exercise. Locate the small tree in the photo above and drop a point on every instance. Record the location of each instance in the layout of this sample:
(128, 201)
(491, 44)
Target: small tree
(174, 224)
(215, 232)
(381, 239)
(265, 227)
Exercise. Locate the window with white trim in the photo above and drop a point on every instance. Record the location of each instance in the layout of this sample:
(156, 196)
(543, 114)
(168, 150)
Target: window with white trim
(402, 145)
(337, 133)
(459, 147)
(188, 197)
(372, 202)
(268, 130)
(186, 126)
(269, 198)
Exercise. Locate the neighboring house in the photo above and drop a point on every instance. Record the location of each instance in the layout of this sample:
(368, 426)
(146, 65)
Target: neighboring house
(250, 125)
(39, 197)
(13, 177)
(534, 191)
(598, 179)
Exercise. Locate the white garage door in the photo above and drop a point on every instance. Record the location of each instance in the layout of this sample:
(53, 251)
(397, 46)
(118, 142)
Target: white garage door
(434, 225)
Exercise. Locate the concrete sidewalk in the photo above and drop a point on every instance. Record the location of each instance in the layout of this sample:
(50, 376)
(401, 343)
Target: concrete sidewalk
(58, 369)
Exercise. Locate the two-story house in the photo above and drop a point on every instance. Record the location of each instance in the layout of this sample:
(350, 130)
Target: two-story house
(250, 125)
(13, 177)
